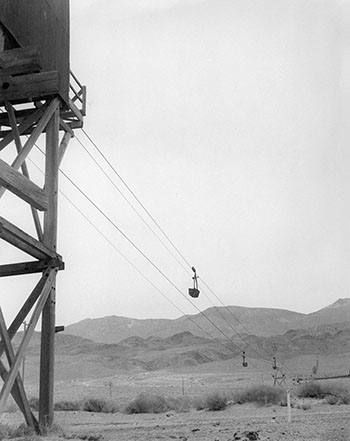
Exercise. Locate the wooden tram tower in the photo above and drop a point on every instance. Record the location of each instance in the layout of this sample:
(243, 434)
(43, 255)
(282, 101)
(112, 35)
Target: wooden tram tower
(39, 99)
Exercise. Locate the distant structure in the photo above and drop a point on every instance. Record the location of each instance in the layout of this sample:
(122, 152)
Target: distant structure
(40, 101)
(315, 368)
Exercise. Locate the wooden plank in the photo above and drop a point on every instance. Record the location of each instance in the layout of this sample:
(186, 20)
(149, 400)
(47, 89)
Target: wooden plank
(64, 126)
(76, 111)
(30, 87)
(36, 266)
(18, 238)
(44, 23)
(7, 387)
(17, 393)
(24, 167)
(63, 146)
(47, 351)
(22, 187)
(11, 357)
(31, 119)
(26, 308)
(20, 60)
(52, 107)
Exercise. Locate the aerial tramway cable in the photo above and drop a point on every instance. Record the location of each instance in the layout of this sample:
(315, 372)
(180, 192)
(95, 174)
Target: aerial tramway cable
(164, 234)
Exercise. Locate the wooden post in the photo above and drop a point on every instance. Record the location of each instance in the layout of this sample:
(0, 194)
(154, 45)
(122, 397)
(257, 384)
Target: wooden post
(46, 413)
(289, 407)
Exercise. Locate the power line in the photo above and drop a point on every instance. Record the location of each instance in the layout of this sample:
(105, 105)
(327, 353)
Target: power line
(129, 203)
(136, 198)
(163, 232)
(129, 261)
(138, 249)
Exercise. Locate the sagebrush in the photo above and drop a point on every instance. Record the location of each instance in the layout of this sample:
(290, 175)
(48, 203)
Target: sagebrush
(147, 404)
(332, 393)
(213, 401)
(260, 394)
(99, 405)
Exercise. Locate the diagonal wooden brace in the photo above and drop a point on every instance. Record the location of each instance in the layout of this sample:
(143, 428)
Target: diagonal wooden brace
(17, 139)
(7, 386)
(18, 390)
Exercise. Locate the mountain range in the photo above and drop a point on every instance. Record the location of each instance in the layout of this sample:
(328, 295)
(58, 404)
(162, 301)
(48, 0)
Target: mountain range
(214, 322)
(110, 345)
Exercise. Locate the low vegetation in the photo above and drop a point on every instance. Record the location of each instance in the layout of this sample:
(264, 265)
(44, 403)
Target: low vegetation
(147, 404)
(23, 431)
(68, 405)
(332, 393)
(213, 401)
(260, 394)
(99, 405)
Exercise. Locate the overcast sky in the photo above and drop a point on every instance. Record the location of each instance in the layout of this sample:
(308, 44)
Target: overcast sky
(229, 120)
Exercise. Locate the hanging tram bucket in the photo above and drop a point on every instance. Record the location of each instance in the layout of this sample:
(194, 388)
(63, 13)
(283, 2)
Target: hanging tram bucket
(193, 292)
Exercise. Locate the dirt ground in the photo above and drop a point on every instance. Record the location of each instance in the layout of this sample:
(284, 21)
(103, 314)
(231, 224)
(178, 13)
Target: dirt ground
(237, 422)
(321, 422)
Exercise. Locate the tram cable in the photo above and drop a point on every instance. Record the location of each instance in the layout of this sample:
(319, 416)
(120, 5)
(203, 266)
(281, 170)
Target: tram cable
(164, 234)
(136, 268)
(138, 249)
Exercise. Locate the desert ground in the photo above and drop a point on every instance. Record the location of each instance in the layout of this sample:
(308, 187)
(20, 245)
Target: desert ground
(319, 422)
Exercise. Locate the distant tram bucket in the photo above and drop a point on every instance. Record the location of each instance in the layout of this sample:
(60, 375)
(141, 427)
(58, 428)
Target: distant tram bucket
(194, 292)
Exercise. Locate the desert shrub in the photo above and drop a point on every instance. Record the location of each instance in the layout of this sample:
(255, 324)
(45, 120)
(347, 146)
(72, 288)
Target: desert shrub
(200, 403)
(34, 403)
(3, 432)
(216, 401)
(333, 393)
(180, 404)
(99, 405)
(303, 406)
(67, 405)
(311, 390)
(260, 394)
(147, 404)
(331, 399)
(22, 431)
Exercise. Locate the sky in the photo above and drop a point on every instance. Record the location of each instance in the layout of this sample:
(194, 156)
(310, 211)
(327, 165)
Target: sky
(228, 120)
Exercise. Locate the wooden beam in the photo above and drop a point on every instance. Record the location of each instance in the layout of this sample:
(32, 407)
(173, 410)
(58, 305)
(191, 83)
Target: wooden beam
(26, 308)
(63, 146)
(22, 187)
(20, 60)
(7, 387)
(37, 266)
(11, 357)
(17, 395)
(18, 238)
(24, 167)
(31, 87)
(76, 111)
(52, 107)
(47, 351)
(31, 119)
(64, 126)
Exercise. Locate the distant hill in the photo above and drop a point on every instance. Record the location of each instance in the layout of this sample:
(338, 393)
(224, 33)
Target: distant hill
(337, 312)
(77, 357)
(262, 322)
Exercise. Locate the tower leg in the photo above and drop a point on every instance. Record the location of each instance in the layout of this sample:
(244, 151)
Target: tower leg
(46, 414)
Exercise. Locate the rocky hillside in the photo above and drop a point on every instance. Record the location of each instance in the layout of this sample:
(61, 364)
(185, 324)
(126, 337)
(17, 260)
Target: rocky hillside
(262, 322)
(77, 357)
